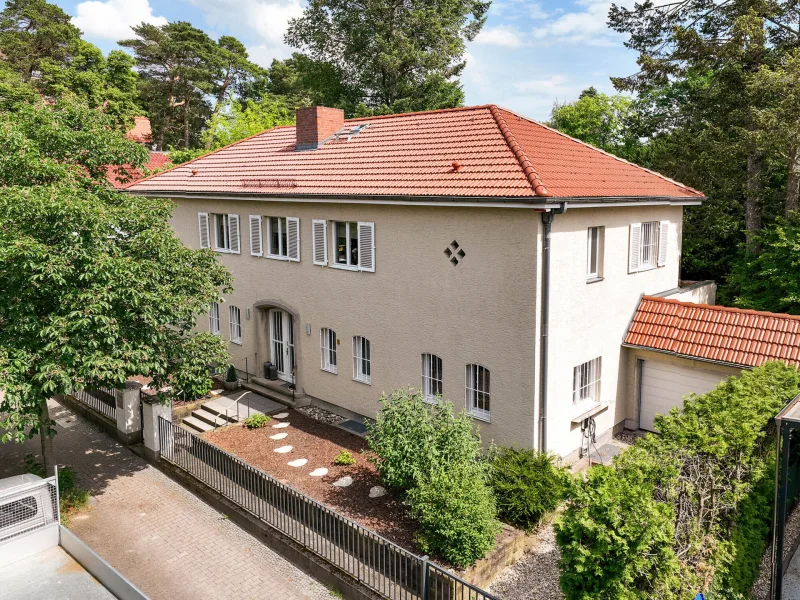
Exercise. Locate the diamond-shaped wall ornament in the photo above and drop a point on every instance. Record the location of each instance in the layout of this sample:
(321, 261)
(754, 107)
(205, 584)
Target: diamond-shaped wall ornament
(455, 253)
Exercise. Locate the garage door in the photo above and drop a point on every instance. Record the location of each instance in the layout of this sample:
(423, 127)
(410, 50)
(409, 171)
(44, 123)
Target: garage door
(664, 385)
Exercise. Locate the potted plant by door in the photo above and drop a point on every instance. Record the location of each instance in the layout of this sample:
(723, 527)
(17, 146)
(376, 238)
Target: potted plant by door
(232, 380)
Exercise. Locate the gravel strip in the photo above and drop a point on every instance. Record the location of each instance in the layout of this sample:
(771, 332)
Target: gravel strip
(760, 590)
(320, 414)
(627, 437)
(535, 575)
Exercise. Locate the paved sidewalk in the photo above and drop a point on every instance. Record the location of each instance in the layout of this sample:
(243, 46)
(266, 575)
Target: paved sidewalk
(164, 539)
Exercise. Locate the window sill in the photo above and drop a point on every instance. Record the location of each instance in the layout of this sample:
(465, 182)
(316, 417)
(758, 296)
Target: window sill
(331, 371)
(277, 257)
(644, 269)
(594, 279)
(431, 399)
(588, 409)
(237, 342)
(486, 418)
(343, 267)
(364, 381)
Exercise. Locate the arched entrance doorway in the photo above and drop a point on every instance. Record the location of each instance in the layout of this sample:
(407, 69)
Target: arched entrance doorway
(281, 337)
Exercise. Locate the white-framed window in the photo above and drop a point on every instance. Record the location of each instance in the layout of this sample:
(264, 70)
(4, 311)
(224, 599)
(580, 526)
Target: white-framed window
(236, 324)
(586, 381)
(327, 344)
(431, 377)
(648, 245)
(362, 365)
(213, 318)
(594, 252)
(477, 386)
(226, 233)
(351, 244)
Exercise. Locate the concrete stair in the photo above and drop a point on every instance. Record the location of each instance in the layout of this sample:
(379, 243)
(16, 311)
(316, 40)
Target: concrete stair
(207, 417)
(276, 390)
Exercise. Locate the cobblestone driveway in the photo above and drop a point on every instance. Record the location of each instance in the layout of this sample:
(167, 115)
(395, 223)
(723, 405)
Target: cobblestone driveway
(164, 539)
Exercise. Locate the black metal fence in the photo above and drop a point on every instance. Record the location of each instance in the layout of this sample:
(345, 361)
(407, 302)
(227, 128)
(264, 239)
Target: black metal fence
(381, 565)
(102, 400)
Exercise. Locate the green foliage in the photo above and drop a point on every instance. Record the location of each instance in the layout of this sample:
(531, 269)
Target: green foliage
(769, 280)
(434, 456)
(72, 498)
(527, 484)
(189, 364)
(645, 528)
(232, 375)
(96, 285)
(456, 513)
(600, 120)
(178, 156)
(243, 119)
(388, 57)
(344, 459)
(257, 421)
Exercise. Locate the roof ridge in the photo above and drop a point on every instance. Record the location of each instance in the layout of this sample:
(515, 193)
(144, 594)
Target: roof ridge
(614, 156)
(419, 112)
(717, 307)
(519, 153)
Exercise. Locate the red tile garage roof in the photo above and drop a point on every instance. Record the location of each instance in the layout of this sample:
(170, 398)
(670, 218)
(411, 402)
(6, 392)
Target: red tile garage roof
(141, 132)
(478, 152)
(744, 338)
(158, 160)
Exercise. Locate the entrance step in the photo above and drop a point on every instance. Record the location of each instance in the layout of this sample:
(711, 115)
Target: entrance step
(197, 424)
(212, 418)
(276, 391)
(217, 409)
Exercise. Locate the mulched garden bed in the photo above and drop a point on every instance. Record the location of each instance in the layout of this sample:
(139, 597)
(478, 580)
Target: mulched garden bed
(320, 444)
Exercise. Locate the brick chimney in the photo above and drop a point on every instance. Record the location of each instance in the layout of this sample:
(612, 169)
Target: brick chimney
(315, 124)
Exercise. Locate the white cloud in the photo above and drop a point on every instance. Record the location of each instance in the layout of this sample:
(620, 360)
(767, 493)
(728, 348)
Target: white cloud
(262, 54)
(112, 19)
(265, 19)
(588, 26)
(505, 36)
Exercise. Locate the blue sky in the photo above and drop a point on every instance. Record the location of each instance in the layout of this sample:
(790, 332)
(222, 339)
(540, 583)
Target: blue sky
(529, 54)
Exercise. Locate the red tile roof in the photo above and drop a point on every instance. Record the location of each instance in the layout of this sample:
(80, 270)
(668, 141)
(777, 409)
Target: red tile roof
(740, 337)
(141, 132)
(481, 151)
(158, 160)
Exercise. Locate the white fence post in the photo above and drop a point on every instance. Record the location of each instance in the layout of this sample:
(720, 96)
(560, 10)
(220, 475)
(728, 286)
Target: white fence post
(129, 414)
(151, 414)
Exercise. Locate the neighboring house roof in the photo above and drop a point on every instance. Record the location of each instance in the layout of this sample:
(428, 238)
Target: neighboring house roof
(474, 152)
(158, 160)
(141, 132)
(745, 338)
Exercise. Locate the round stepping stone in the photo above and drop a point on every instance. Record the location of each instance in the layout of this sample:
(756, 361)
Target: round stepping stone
(278, 436)
(377, 492)
(319, 472)
(283, 449)
(280, 425)
(282, 415)
(300, 462)
(343, 482)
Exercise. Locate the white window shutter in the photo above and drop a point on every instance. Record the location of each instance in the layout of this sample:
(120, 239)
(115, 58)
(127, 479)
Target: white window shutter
(205, 238)
(635, 247)
(663, 243)
(319, 229)
(255, 236)
(366, 247)
(293, 238)
(233, 228)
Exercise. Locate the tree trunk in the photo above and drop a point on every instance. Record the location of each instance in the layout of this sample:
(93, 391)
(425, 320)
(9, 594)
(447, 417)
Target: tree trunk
(48, 455)
(186, 123)
(752, 201)
(793, 182)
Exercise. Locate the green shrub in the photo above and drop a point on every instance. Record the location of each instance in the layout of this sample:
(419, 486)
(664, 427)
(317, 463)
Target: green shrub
(72, 498)
(527, 484)
(455, 511)
(410, 437)
(257, 421)
(344, 458)
(232, 376)
(697, 492)
(191, 378)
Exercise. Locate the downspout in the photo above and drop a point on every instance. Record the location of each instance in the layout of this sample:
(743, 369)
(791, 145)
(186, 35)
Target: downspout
(547, 220)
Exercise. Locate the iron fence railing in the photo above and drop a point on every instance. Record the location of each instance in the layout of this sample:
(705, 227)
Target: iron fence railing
(102, 400)
(381, 565)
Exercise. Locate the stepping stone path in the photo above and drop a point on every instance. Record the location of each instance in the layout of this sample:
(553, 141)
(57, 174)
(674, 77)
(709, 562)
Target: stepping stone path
(319, 472)
(278, 436)
(377, 492)
(280, 425)
(282, 415)
(300, 462)
(283, 449)
(343, 482)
